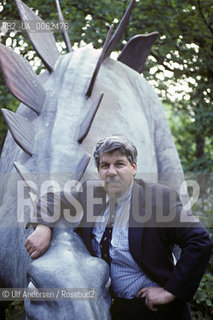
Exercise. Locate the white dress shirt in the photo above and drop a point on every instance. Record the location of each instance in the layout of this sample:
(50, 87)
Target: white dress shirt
(126, 275)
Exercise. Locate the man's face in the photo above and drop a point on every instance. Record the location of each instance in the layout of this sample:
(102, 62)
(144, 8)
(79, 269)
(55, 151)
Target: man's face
(116, 173)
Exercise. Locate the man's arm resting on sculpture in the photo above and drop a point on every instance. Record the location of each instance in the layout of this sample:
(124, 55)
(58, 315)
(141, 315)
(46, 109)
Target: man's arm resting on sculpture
(38, 242)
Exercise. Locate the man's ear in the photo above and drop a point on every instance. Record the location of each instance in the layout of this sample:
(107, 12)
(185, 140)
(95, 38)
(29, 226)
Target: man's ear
(134, 168)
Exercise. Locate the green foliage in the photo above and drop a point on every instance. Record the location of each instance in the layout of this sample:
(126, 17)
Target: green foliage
(15, 311)
(183, 129)
(204, 296)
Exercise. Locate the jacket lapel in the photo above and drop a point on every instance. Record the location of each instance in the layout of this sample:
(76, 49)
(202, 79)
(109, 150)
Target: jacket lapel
(136, 227)
(86, 227)
(137, 210)
(98, 210)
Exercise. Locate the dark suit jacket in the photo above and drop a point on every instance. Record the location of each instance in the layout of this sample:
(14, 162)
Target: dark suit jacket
(151, 241)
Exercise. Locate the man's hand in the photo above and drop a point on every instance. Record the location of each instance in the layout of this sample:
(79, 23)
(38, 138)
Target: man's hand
(38, 242)
(155, 296)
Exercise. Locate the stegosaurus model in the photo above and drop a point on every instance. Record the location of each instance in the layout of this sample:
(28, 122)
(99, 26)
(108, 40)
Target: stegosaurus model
(83, 96)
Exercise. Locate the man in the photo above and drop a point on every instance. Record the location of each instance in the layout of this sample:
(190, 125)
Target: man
(145, 282)
(139, 225)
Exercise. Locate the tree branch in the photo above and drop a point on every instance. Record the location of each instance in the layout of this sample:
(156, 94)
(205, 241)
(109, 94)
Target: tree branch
(203, 17)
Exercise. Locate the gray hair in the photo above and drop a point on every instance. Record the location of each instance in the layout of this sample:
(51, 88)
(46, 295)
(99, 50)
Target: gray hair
(115, 143)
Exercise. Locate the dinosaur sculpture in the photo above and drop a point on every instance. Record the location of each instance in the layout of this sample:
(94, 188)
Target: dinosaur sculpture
(82, 97)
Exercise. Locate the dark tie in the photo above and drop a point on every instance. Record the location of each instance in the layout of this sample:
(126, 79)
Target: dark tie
(107, 236)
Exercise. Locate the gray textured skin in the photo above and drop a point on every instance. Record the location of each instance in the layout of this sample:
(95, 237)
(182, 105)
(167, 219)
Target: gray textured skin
(130, 107)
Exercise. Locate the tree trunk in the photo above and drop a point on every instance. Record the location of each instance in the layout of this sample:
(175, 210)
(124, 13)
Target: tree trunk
(200, 144)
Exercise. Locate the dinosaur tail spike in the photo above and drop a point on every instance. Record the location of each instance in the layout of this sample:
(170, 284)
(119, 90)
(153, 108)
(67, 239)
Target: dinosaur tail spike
(43, 42)
(26, 177)
(100, 60)
(120, 30)
(87, 122)
(21, 80)
(21, 130)
(64, 32)
(82, 165)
